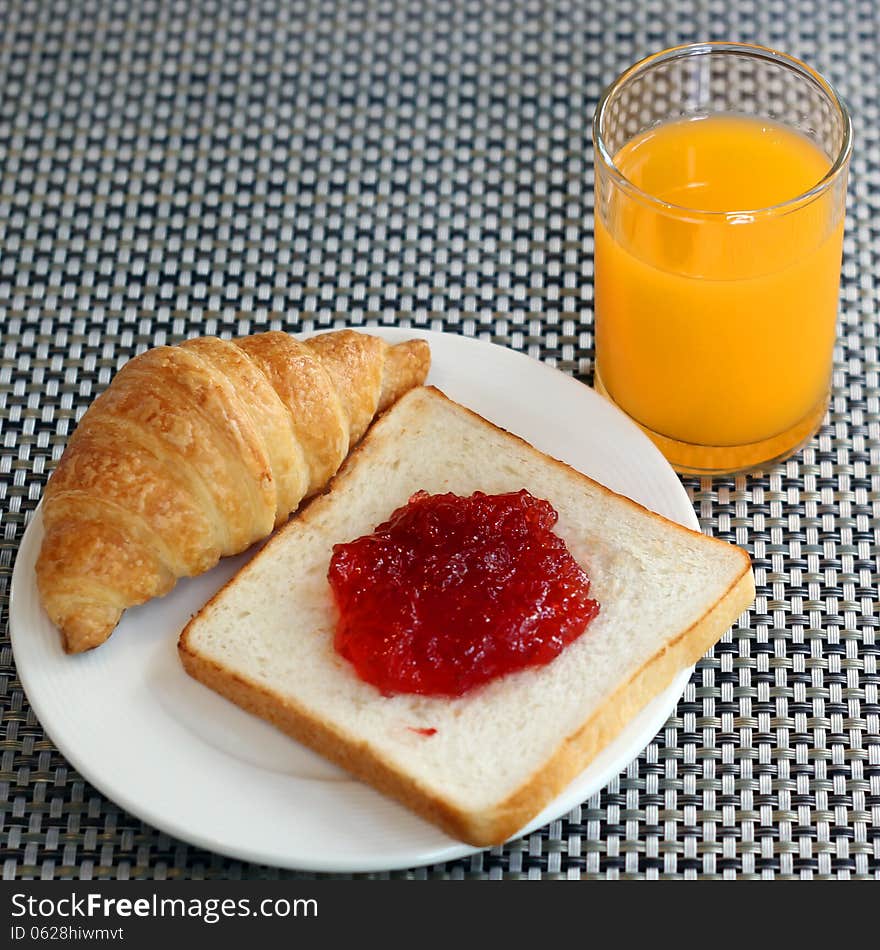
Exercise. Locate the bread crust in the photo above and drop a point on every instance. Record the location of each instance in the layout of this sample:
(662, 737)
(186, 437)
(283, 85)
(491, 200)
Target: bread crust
(572, 756)
(573, 753)
(577, 750)
(347, 751)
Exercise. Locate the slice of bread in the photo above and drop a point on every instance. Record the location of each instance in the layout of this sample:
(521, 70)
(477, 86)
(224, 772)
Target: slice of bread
(502, 752)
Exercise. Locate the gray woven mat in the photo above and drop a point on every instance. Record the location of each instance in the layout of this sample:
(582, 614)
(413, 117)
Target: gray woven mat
(170, 168)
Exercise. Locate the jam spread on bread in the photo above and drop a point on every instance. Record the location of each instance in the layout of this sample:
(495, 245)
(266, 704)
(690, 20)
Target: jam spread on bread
(452, 592)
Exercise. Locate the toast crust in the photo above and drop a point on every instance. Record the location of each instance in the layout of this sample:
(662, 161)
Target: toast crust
(574, 752)
(350, 753)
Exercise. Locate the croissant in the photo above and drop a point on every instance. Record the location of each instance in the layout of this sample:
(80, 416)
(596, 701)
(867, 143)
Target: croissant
(197, 451)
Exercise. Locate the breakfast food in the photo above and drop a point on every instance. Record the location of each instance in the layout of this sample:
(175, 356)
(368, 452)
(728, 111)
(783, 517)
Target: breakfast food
(453, 591)
(482, 764)
(197, 451)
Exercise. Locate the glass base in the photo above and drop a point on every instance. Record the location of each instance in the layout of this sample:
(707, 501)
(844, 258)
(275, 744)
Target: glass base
(689, 459)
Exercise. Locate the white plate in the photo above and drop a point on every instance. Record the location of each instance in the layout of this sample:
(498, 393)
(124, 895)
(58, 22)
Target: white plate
(176, 755)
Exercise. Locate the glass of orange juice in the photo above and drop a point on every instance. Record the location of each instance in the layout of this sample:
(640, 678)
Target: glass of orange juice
(720, 179)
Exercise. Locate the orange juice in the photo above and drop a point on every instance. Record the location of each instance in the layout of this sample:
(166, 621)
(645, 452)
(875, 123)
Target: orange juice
(715, 327)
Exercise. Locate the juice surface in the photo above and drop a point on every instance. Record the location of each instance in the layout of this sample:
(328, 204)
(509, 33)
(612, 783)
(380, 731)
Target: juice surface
(717, 329)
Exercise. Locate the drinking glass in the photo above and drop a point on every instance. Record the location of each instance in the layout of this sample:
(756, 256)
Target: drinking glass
(715, 326)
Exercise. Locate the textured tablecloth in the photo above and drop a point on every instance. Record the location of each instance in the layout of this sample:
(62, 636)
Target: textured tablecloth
(173, 168)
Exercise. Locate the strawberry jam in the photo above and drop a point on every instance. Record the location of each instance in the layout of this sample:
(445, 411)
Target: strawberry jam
(452, 592)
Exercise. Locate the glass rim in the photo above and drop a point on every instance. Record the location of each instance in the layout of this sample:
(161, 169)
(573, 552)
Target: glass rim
(707, 48)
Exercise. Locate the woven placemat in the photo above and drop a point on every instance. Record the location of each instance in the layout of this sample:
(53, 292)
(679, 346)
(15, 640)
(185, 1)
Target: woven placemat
(173, 168)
